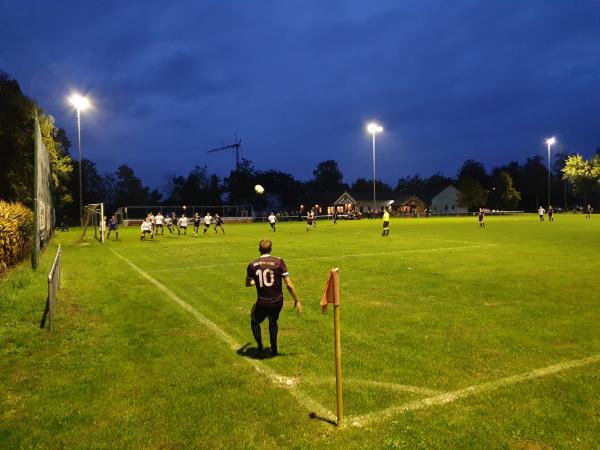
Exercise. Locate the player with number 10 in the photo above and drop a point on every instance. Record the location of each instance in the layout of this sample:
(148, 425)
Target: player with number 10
(267, 273)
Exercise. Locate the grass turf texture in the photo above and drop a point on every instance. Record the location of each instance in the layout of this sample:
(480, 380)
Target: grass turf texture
(438, 306)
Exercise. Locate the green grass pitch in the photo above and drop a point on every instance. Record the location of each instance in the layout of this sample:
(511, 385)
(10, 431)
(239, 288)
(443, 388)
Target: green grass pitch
(452, 337)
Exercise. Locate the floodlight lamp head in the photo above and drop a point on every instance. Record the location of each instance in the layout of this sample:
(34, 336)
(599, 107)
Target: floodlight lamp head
(79, 102)
(551, 141)
(374, 128)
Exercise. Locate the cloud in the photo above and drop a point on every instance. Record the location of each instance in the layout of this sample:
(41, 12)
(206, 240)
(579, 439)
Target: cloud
(297, 80)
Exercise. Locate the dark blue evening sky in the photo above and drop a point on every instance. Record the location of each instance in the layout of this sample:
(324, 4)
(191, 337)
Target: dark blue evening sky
(298, 80)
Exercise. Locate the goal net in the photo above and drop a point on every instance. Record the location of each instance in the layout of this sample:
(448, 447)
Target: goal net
(93, 219)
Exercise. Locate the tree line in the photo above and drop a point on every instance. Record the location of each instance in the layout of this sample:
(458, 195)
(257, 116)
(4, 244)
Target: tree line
(573, 180)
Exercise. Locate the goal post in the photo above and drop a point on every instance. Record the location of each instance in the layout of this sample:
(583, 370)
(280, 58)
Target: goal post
(93, 217)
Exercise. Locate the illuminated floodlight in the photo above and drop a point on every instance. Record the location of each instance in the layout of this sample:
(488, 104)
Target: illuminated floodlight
(374, 128)
(79, 102)
(551, 141)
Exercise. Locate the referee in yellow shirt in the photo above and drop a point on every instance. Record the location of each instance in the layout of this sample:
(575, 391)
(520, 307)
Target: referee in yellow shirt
(386, 223)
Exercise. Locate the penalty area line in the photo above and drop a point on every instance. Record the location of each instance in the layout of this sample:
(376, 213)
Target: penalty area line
(279, 380)
(449, 397)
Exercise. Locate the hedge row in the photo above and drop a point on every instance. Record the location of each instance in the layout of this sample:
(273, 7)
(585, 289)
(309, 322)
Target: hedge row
(16, 227)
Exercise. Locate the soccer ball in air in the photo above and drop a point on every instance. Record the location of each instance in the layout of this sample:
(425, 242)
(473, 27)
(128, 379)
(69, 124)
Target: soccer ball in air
(259, 189)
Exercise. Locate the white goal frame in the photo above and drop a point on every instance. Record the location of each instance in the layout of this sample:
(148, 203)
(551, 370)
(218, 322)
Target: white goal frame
(93, 216)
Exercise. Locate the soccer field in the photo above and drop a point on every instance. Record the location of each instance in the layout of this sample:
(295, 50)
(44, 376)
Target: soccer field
(452, 336)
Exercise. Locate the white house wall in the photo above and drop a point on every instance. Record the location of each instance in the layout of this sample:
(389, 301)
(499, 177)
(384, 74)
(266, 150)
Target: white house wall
(446, 202)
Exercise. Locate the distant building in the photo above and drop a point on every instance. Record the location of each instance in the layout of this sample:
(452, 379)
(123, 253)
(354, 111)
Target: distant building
(446, 202)
(409, 204)
(347, 203)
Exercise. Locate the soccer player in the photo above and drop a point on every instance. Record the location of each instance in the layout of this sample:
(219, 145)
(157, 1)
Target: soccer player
(550, 213)
(335, 216)
(64, 225)
(218, 223)
(588, 211)
(310, 220)
(386, 223)
(207, 221)
(171, 222)
(272, 219)
(152, 221)
(182, 224)
(267, 273)
(481, 216)
(146, 228)
(159, 221)
(113, 226)
(541, 213)
(196, 223)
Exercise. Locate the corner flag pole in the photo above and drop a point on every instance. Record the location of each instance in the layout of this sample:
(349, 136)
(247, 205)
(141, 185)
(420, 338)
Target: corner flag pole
(332, 295)
(338, 349)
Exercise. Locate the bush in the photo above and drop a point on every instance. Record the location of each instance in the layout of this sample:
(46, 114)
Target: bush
(16, 228)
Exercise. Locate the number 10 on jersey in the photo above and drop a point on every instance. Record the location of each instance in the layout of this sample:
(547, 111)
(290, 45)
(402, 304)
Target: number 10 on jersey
(266, 277)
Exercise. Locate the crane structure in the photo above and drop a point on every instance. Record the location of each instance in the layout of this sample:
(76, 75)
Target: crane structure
(236, 145)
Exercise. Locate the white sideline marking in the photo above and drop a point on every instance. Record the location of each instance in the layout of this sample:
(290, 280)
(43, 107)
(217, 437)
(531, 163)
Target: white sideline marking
(452, 396)
(310, 258)
(381, 384)
(273, 376)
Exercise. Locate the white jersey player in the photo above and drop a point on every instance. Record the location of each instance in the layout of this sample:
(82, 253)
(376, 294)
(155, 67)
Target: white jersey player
(207, 221)
(182, 224)
(272, 220)
(146, 228)
(159, 221)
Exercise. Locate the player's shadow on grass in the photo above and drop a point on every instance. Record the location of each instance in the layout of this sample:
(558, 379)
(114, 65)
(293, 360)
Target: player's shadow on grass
(254, 353)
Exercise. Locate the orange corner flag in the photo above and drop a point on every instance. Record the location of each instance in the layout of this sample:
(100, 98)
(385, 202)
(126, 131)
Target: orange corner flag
(331, 294)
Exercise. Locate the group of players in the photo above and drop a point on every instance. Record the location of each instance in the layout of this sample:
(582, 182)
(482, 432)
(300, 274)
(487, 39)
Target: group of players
(541, 213)
(311, 220)
(155, 224)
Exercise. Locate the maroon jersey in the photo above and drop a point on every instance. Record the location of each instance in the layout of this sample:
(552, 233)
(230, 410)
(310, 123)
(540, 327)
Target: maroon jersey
(480, 216)
(267, 273)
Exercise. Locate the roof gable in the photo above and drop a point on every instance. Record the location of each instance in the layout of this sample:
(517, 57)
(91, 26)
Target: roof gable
(344, 199)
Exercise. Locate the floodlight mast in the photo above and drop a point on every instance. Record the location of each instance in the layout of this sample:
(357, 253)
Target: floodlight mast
(549, 142)
(374, 128)
(80, 103)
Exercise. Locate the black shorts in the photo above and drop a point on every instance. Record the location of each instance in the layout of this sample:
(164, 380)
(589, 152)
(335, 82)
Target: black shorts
(260, 312)
(159, 225)
(207, 225)
(146, 231)
(309, 222)
(386, 224)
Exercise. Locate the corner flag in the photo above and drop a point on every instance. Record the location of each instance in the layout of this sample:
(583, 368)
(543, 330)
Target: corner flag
(331, 294)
